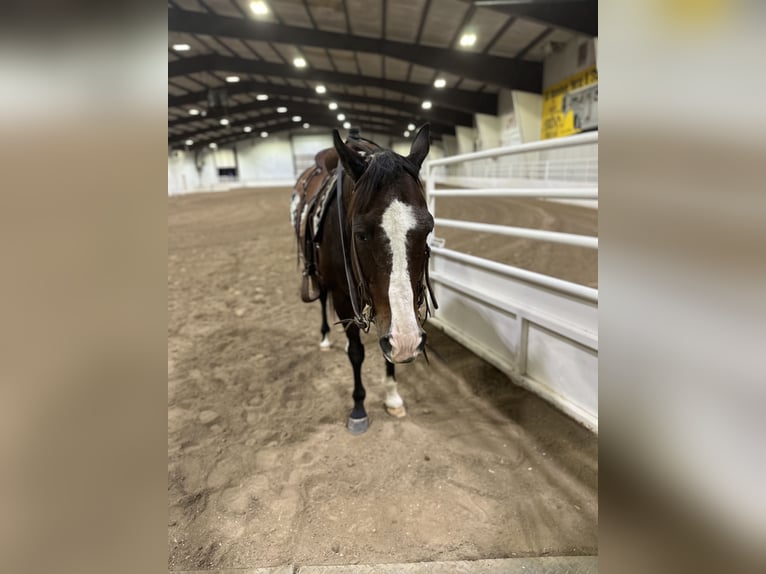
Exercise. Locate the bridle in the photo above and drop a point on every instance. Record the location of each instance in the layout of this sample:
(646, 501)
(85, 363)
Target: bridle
(361, 302)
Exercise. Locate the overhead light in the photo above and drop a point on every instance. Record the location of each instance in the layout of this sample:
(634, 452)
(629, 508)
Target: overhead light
(297, 118)
(440, 83)
(181, 47)
(259, 8)
(264, 134)
(247, 129)
(407, 133)
(341, 117)
(426, 105)
(281, 110)
(306, 125)
(261, 97)
(194, 112)
(224, 122)
(346, 125)
(411, 127)
(189, 142)
(213, 145)
(332, 106)
(321, 89)
(299, 63)
(467, 40)
(232, 79)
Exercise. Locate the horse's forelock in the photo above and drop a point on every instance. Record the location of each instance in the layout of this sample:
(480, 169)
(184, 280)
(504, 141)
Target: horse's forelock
(385, 169)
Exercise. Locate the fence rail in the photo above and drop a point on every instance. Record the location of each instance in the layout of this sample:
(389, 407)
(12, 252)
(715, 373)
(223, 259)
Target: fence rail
(523, 232)
(540, 330)
(534, 193)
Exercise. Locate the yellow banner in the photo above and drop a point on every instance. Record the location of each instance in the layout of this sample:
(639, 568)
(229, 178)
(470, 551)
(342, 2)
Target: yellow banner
(556, 120)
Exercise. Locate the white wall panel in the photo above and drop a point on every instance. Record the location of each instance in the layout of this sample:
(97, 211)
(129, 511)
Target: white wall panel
(265, 159)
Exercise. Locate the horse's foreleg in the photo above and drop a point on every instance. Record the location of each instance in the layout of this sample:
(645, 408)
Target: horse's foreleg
(325, 344)
(394, 403)
(357, 421)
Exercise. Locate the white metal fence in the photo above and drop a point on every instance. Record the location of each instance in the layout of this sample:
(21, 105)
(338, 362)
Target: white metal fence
(540, 330)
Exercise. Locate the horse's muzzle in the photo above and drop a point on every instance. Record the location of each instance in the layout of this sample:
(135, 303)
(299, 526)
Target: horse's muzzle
(405, 351)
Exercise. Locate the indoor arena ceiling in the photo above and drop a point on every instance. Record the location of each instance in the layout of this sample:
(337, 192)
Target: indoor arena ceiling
(238, 62)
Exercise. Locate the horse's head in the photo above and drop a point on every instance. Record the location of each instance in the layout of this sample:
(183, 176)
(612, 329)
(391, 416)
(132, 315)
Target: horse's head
(388, 223)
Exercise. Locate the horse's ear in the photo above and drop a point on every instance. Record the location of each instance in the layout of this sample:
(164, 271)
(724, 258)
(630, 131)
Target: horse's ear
(420, 146)
(352, 163)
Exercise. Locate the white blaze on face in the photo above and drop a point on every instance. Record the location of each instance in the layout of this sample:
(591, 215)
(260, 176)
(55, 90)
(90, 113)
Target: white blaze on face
(398, 219)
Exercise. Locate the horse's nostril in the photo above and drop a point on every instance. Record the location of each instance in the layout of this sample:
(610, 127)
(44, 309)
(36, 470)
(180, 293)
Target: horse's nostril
(385, 344)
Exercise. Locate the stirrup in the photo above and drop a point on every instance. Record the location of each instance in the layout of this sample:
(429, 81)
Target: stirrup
(309, 288)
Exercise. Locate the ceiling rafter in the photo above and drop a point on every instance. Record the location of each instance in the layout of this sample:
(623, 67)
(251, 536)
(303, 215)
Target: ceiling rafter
(451, 98)
(406, 108)
(496, 70)
(309, 112)
(508, 23)
(577, 15)
(535, 41)
(283, 126)
(317, 109)
(266, 122)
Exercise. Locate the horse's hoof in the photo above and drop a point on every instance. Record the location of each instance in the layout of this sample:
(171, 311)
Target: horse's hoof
(325, 345)
(358, 426)
(398, 412)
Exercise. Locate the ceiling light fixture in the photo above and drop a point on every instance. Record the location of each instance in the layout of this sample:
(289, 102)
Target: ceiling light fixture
(189, 142)
(411, 127)
(346, 125)
(213, 145)
(281, 110)
(299, 63)
(224, 122)
(247, 129)
(194, 112)
(232, 79)
(262, 97)
(332, 106)
(426, 105)
(259, 8)
(306, 125)
(181, 47)
(296, 118)
(407, 133)
(264, 134)
(341, 117)
(440, 83)
(467, 40)
(321, 89)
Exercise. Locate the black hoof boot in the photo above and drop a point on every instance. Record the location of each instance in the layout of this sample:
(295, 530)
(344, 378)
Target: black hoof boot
(358, 426)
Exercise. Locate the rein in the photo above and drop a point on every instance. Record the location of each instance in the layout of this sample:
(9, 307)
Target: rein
(357, 287)
(364, 318)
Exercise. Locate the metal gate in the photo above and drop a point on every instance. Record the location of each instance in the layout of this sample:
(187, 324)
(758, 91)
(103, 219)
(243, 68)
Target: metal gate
(540, 330)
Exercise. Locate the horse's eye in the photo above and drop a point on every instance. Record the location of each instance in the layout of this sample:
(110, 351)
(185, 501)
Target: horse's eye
(361, 236)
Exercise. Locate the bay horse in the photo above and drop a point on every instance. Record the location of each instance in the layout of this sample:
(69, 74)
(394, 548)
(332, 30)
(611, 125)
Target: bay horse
(362, 229)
